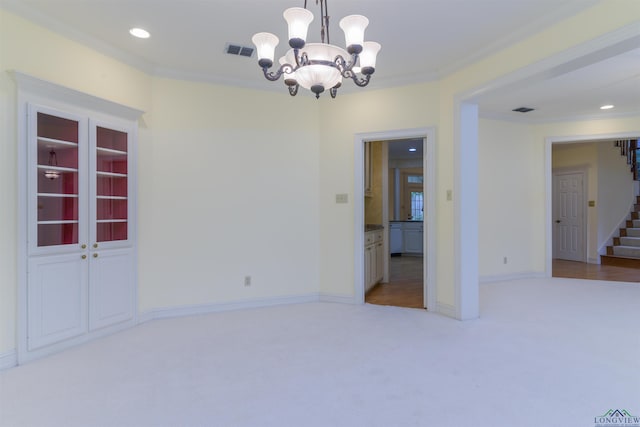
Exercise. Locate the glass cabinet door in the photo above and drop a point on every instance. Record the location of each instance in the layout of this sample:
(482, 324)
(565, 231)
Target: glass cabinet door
(111, 185)
(58, 154)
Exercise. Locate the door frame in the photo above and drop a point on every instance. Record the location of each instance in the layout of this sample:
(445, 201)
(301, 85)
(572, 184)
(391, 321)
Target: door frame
(429, 171)
(585, 212)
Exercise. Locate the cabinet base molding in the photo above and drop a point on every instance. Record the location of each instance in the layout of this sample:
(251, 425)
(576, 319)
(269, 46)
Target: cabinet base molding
(28, 356)
(8, 360)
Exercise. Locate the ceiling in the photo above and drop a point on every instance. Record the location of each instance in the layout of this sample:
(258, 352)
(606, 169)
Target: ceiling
(421, 40)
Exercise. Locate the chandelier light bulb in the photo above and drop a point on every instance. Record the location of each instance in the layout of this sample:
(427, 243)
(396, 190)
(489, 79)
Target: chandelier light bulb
(266, 47)
(368, 57)
(353, 27)
(298, 20)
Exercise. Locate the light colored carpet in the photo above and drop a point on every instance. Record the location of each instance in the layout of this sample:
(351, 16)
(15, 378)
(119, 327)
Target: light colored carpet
(555, 352)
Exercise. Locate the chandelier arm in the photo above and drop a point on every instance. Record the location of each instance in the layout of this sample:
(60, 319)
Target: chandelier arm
(360, 82)
(343, 65)
(272, 76)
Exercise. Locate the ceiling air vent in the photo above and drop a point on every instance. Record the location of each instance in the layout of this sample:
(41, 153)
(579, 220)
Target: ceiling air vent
(523, 109)
(236, 49)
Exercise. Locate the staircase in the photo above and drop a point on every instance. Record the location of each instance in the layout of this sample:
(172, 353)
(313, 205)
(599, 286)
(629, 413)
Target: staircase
(625, 251)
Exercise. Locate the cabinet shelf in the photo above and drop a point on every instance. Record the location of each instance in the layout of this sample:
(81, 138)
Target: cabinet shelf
(55, 143)
(57, 195)
(110, 221)
(111, 174)
(57, 168)
(111, 151)
(62, 221)
(112, 197)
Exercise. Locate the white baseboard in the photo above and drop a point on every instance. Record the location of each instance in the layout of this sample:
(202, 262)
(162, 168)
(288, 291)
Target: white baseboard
(517, 276)
(446, 310)
(191, 310)
(8, 360)
(341, 299)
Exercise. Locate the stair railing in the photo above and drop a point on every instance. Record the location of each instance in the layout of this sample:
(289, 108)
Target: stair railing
(630, 148)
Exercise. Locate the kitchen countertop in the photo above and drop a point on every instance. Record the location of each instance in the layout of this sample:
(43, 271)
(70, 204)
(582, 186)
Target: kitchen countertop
(373, 227)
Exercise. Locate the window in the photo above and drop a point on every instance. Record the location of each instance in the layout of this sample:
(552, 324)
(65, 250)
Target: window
(417, 205)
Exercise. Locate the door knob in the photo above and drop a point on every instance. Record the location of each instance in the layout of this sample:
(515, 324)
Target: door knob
(95, 245)
(83, 246)
(95, 255)
(84, 257)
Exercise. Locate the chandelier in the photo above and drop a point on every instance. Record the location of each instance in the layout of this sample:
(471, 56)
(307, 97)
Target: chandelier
(318, 66)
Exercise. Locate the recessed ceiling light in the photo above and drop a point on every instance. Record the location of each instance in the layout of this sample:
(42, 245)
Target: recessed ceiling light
(413, 149)
(606, 107)
(140, 33)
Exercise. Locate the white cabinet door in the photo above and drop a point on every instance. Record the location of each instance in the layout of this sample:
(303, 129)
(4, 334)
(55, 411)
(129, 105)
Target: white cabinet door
(111, 288)
(413, 240)
(395, 237)
(369, 266)
(379, 262)
(56, 299)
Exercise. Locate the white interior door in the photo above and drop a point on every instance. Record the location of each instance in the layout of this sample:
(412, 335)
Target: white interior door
(569, 216)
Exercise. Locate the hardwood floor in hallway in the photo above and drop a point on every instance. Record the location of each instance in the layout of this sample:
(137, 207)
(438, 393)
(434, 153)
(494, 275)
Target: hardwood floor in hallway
(583, 270)
(405, 287)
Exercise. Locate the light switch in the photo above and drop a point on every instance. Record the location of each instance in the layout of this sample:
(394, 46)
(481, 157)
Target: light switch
(342, 198)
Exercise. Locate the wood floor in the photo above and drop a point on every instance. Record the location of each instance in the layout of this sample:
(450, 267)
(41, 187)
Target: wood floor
(582, 270)
(406, 289)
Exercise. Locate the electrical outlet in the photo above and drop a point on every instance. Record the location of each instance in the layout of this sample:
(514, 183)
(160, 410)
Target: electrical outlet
(247, 280)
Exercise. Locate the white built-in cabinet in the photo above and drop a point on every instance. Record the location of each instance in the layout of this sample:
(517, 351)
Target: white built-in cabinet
(413, 237)
(373, 258)
(79, 239)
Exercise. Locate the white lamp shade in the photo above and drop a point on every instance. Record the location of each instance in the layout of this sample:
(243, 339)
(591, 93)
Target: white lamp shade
(298, 20)
(369, 53)
(316, 74)
(353, 27)
(265, 45)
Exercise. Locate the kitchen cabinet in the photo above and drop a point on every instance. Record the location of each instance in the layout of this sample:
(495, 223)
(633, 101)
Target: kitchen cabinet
(80, 224)
(373, 258)
(406, 237)
(395, 237)
(412, 236)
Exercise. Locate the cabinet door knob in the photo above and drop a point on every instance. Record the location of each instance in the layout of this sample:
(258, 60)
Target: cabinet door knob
(95, 255)
(84, 257)
(83, 246)
(95, 245)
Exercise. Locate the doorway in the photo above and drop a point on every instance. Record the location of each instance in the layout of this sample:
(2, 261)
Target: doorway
(401, 195)
(425, 262)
